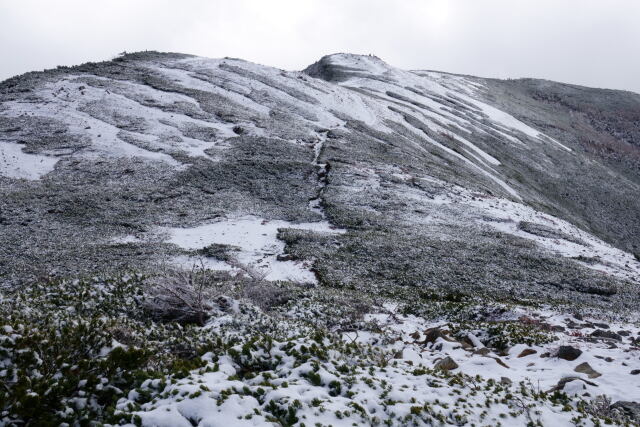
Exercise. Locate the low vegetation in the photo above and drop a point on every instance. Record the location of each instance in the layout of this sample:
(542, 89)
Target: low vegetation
(114, 350)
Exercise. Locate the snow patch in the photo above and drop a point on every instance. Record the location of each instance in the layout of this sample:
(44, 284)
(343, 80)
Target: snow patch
(15, 163)
(582, 245)
(508, 216)
(257, 242)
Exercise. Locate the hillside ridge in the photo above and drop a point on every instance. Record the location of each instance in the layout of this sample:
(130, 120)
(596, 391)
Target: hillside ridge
(194, 241)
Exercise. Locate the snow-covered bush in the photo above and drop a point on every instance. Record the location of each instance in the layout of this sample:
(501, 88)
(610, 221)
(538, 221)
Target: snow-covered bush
(182, 296)
(89, 351)
(70, 349)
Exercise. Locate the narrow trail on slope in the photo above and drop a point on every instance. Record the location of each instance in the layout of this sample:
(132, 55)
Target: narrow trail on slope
(321, 169)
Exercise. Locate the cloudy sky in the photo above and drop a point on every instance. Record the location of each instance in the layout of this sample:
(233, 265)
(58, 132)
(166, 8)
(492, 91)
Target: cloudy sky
(594, 43)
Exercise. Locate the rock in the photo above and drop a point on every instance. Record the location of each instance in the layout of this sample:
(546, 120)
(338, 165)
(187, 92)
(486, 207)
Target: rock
(333, 135)
(630, 409)
(503, 353)
(635, 372)
(527, 352)
(568, 352)
(624, 333)
(601, 325)
(585, 368)
(573, 325)
(599, 333)
(578, 316)
(431, 335)
(465, 344)
(482, 351)
(474, 341)
(558, 328)
(505, 381)
(285, 257)
(446, 364)
(500, 362)
(565, 380)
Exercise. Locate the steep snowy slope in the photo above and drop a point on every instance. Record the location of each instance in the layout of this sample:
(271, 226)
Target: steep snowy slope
(414, 178)
(373, 246)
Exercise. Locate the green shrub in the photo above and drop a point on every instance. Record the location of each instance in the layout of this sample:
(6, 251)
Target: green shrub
(71, 349)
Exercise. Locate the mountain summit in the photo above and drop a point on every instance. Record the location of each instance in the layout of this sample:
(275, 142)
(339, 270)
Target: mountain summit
(101, 160)
(351, 185)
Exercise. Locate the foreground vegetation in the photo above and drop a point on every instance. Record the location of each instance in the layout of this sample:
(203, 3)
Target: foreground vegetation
(132, 349)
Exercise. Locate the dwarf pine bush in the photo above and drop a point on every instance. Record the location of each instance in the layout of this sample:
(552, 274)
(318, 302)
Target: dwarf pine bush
(70, 349)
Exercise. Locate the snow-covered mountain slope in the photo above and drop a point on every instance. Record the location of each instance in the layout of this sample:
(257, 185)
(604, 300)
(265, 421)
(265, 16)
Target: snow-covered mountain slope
(428, 178)
(372, 246)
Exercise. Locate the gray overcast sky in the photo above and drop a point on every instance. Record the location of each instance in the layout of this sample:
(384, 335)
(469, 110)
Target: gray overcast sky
(594, 43)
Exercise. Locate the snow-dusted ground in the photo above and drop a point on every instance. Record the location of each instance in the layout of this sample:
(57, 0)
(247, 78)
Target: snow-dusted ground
(600, 255)
(422, 113)
(15, 163)
(512, 217)
(92, 111)
(257, 242)
(506, 216)
(148, 115)
(420, 90)
(402, 391)
(613, 360)
(319, 407)
(66, 100)
(421, 100)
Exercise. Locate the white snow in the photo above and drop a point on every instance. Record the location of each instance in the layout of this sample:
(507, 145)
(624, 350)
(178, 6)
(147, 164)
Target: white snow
(476, 167)
(510, 122)
(258, 243)
(123, 240)
(613, 363)
(505, 215)
(609, 259)
(15, 163)
(440, 84)
(216, 396)
(425, 91)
